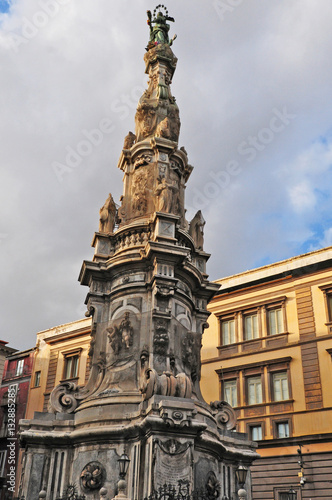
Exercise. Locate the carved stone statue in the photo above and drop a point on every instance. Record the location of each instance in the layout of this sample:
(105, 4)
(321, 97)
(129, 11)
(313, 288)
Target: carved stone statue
(107, 215)
(121, 335)
(163, 129)
(196, 230)
(165, 191)
(129, 140)
(159, 32)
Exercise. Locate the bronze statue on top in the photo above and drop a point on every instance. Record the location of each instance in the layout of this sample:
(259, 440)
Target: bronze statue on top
(159, 32)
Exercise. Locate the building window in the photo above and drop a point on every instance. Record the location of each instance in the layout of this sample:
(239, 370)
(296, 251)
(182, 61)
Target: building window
(228, 331)
(282, 430)
(251, 327)
(274, 321)
(19, 367)
(230, 392)
(3, 455)
(329, 305)
(256, 433)
(37, 379)
(71, 366)
(255, 393)
(280, 386)
(284, 494)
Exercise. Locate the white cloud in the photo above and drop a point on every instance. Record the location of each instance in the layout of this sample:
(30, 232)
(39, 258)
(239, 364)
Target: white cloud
(302, 197)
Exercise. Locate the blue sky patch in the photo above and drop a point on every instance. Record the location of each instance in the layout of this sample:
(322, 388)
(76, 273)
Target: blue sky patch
(4, 6)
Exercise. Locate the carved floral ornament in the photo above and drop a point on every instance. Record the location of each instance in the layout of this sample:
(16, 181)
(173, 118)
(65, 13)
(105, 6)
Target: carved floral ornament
(93, 476)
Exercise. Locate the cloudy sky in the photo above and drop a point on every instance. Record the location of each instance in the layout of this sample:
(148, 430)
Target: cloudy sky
(253, 85)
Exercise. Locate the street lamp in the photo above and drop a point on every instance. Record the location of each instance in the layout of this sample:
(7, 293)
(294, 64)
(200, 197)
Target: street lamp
(241, 475)
(292, 494)
(123, 465)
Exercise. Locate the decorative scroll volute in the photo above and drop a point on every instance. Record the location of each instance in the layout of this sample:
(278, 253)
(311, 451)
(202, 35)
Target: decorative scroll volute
(224, 414)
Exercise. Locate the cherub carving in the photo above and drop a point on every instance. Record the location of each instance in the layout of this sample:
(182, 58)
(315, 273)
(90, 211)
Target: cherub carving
(121, 335)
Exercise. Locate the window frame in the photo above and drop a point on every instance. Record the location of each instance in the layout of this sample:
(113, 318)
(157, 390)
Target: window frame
(247, 378)
(235, 381)
(19, 367)
(327, 291)
(273, 392)
(278, 491)
(282, 420)
(252, 425)
(251, 314)
(227, 319)
(70, 355)
(37, 378)
(279, 367)
(269, 309)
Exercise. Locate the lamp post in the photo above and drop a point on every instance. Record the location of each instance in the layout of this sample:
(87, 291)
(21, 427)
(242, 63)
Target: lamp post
(292, 494)
(123, 466)
(241, 476)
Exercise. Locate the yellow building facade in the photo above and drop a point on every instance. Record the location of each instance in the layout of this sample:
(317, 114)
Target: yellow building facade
(268, 353)
(61, 353)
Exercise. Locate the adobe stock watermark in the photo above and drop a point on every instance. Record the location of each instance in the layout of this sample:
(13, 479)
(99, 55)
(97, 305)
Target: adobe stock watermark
(93, 138)
(30, 28)
(74, 157)
(250, 148)
(11, 438)
(223, 7)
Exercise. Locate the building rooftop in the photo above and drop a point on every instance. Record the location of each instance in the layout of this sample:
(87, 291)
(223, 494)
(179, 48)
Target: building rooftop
(310, 260)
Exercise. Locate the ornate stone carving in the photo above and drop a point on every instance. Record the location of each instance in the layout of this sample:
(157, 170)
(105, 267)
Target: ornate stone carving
(93, 476)
(129, 140)
(165, 384)
(139, 192)
(161, 338)
(163, 129)
(145, 120)
(190, 353)
(165, 192)
(121, 335)
(63, 398)
(212, 487)
(173, 447)
(143, 159)
(196, 230)
(224, 414)
(107, 216)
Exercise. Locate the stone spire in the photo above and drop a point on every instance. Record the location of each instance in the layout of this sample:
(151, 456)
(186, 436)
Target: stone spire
(148, 295)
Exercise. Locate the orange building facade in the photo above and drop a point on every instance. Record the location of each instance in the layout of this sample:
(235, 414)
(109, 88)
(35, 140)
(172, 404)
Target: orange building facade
(268, 353)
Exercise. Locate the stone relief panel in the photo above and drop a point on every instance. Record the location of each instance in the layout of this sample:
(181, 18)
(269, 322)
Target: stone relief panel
(92, 476)
(121, 336)
(173, 463)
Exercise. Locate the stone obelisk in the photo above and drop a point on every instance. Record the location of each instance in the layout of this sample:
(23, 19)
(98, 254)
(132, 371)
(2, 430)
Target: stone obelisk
(148, 295)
